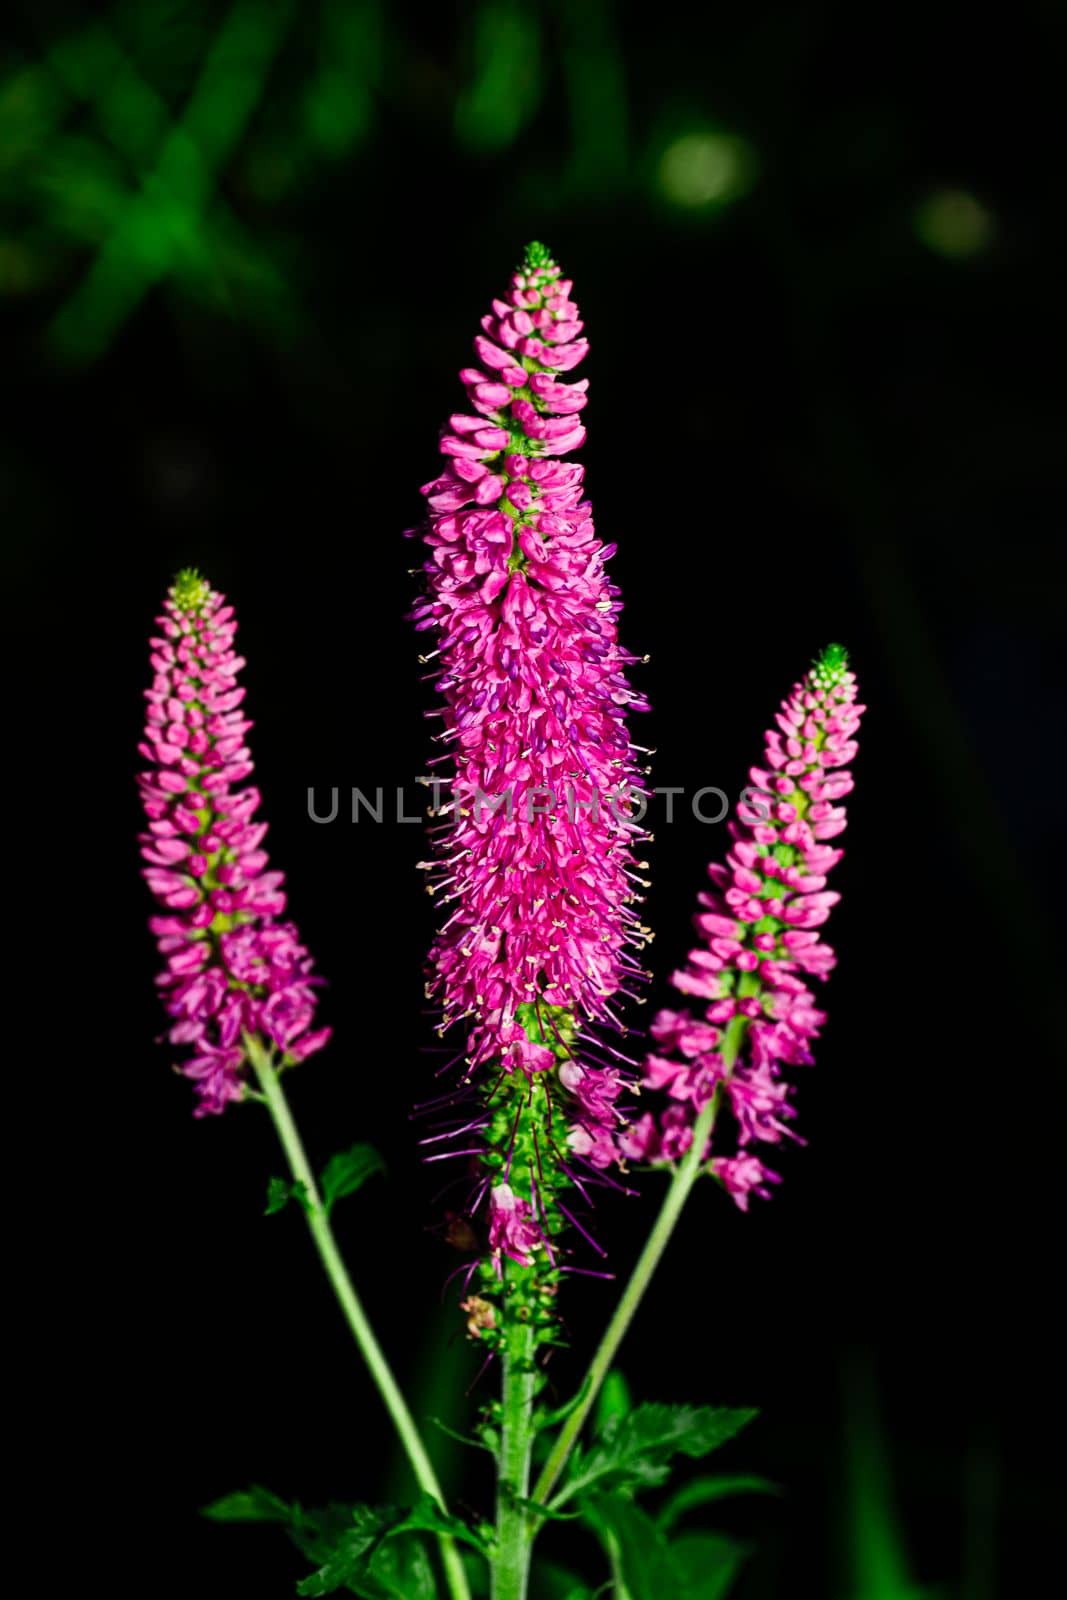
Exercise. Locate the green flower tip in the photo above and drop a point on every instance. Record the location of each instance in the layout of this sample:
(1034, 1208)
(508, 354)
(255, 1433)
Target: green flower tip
(538, 258)
(829, 668)
(189, 590)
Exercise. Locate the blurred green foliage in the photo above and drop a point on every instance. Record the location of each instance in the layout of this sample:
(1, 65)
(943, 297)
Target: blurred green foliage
(875, 1543)
(338, 102)
(135, 155)
(168, 145)
(504, 86)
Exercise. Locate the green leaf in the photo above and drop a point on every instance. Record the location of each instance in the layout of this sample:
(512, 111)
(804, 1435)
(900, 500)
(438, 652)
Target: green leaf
(347, 1556)
(347, 1562)
(613, 1400)
(552, 1419)
(477, 1574)
(348, 1171)
(279, 1193)
(550, 1581)
(462, 1438)
(635, 1449)
(702, 1491)
(368, 1551)
(706, 1565)
(543, 1510)
(315, 1533)
(637, 1549)
(399, 1569)
(554, 1583)
(695, 1567)
(249, 1505)
(426, 1516)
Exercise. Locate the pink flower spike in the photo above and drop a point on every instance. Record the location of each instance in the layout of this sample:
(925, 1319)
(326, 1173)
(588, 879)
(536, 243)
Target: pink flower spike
(230, 967)
(759, 932)
(535, 858)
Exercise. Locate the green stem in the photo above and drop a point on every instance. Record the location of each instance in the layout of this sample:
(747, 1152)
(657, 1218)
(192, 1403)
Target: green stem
(682, 1182)
(618, 1577)
(318, 1222)
(511, 1565)
(684, 1178)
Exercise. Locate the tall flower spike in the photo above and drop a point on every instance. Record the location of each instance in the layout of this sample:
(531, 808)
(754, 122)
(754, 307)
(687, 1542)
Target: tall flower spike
(536, 834)
(231, 966)
(760, 942)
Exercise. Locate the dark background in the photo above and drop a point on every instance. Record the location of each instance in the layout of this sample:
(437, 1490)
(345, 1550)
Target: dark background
(826, 404)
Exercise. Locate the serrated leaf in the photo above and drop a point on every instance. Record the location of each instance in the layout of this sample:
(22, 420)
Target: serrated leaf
(426, 1516)
(350, 1555)
(635, 1449)
(249, 1505)
(703, 1491)
(399, 1569)
(706, 1565)
(355, 1547)
(279, 1193)
(348, 1171)
(349, 1560)
(316, 1532)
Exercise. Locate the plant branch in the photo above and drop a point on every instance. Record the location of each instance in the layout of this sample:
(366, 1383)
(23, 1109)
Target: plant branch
(321, 1232)
(685, 1176)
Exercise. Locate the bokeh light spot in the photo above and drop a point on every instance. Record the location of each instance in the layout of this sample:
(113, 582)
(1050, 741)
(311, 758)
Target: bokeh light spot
(706, 169)
(952, 223)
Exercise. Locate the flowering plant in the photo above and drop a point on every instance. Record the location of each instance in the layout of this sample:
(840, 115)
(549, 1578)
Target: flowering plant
(535, 865)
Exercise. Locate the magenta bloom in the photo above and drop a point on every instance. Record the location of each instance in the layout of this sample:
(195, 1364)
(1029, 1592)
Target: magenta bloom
(230, 965)
(535, 860)
(511, 1225)
(760, 942)
(536, 830)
